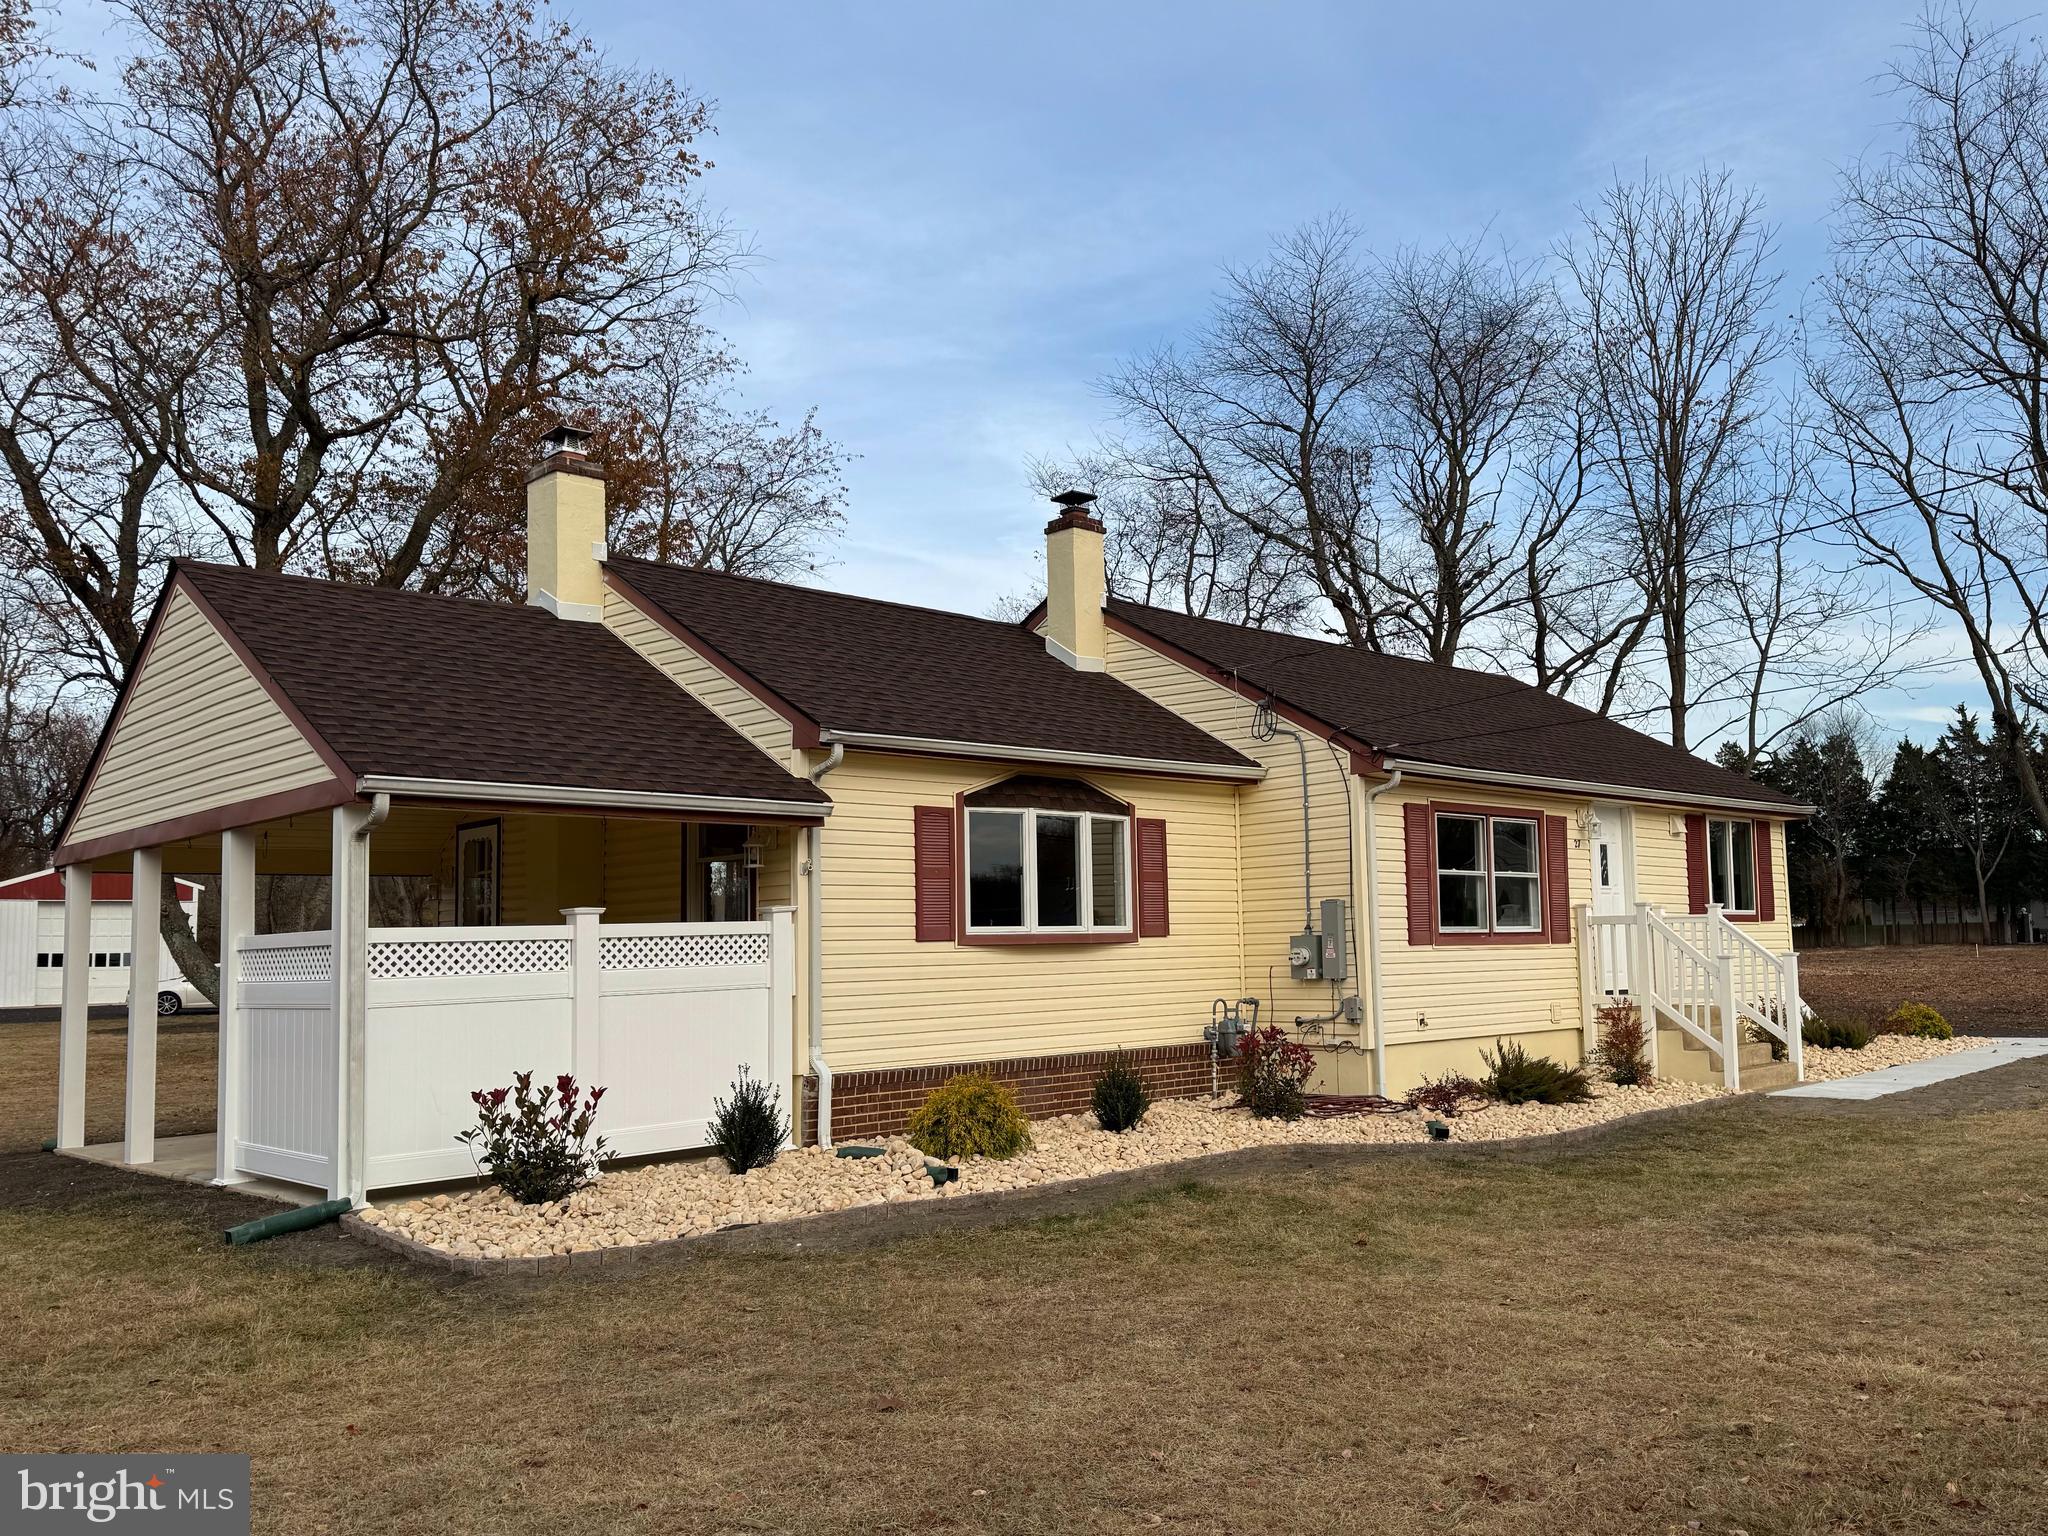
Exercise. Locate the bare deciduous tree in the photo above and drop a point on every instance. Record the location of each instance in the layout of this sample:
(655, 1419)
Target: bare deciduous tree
(1263, 421)
(302, 288)
(1934, 372)
(1471, 349)
(1674, 282)
(1170, 545)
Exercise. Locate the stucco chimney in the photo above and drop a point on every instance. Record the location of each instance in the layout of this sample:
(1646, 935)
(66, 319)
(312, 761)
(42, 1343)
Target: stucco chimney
(1075, 586)
(565, 527)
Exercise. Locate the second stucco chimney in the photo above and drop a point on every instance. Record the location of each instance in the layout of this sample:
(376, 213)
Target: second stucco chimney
(1075, 586)
(565, 527)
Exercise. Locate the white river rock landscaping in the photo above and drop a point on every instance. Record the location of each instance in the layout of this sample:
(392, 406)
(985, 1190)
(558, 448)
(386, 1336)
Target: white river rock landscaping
(1823, 1065)
(660, 1201)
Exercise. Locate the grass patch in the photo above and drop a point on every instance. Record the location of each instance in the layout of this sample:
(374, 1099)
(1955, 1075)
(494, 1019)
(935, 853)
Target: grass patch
(1777, 1317)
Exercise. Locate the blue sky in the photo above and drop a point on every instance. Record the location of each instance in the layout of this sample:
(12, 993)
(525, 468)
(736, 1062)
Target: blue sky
(966, 213)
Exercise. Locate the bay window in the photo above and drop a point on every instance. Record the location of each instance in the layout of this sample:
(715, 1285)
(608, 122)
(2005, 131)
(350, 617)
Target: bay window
(1036, 870)
(1488, 873)
(1731, 864)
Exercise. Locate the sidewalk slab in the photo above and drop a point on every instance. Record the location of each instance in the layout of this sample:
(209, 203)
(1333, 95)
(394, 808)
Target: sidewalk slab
(1918, 1074)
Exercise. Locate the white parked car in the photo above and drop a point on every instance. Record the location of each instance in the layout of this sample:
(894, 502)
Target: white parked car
(179, 995)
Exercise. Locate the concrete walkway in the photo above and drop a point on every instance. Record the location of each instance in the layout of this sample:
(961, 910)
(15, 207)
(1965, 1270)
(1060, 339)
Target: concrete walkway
(1918, 1074)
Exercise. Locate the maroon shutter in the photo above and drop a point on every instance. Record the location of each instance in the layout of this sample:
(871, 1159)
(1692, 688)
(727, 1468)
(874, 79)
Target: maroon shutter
(1696, 863)
(1766, 884)
(1421, 863)
(1557, 879)
(1153, 916)
(934, 875)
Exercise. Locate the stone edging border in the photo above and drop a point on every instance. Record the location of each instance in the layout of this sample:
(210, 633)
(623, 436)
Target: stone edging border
(931, 1217)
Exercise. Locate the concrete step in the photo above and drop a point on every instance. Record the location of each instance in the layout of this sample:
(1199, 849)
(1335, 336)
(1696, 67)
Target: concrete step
(1767, 1078)
(1683, 1059)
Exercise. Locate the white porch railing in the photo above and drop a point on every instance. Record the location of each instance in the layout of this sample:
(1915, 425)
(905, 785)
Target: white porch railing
(661, 1015)
(1699, 973)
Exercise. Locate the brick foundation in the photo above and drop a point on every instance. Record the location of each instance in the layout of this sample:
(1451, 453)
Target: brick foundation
(869, 1105)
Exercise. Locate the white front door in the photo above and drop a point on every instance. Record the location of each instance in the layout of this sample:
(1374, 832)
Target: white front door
(1612, 847)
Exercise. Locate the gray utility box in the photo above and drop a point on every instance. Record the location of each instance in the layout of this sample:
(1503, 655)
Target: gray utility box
(1321, 955)
(1336, 957)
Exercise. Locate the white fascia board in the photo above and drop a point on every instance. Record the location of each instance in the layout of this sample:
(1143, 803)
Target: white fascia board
(586, 799)
(933, 747)
(1588, 787)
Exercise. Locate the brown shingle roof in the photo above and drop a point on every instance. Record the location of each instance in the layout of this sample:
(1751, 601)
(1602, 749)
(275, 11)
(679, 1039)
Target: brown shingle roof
(1451, 716)
(412, 685)
(858, 664)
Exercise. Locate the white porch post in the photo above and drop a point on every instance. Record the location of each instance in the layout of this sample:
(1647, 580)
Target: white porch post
(781, 1069)
(349, 914)
(77, 1002)
(144, 937)
(586, 996)
(237, 922)
(1642, 979)
(1795, 1017)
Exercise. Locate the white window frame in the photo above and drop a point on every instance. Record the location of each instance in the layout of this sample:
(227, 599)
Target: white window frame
(1084, 851)
(1486, 872)
(1726, 864)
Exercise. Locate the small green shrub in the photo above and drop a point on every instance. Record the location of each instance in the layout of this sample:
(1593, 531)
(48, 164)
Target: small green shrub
(970, 1115)
(1920, 1020)
(1443, 1095)
(1835, 1034)
(748, 1129)
(1624, 1049)
(1272, 1070)
(1120, 1100)
(1515, 1077)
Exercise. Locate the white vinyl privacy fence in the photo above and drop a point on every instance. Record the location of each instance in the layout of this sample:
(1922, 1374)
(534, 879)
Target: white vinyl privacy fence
(661, 1015)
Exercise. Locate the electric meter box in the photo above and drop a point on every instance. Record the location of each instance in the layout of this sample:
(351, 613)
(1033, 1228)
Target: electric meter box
(1321, 956)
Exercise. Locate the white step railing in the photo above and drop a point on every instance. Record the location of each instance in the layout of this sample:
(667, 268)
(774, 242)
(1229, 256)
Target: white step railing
(1698, 972)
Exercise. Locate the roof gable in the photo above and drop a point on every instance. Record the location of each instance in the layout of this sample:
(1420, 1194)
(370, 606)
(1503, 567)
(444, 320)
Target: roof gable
(1462, 720)
(198, 727)
(859, 666)
(417, 686)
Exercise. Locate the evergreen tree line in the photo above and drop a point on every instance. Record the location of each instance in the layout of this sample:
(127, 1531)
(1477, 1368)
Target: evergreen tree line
(1912, 842)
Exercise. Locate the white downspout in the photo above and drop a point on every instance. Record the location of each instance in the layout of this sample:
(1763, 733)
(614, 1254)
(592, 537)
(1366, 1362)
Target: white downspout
(353, 957)
(815, 959)
(1372, 932)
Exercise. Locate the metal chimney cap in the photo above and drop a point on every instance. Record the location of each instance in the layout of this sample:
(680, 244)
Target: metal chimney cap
(565, 437)
(1074, 501)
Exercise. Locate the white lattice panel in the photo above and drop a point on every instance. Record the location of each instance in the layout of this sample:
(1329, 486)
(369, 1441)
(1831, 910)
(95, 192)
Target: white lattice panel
(671, 951)
(470, 957)
(297, 962)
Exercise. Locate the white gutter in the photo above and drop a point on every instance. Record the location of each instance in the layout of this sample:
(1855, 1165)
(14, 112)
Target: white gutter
(932, 746)
(1587, 786)
(1372, 932)
(815, 944)
(578, 796)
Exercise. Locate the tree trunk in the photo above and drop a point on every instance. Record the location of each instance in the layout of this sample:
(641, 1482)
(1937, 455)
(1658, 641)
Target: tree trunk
(184, 945)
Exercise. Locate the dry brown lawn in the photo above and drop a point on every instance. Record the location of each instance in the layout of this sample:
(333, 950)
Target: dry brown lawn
(1999, 990)
(1773, 1317)
(184, 1079)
